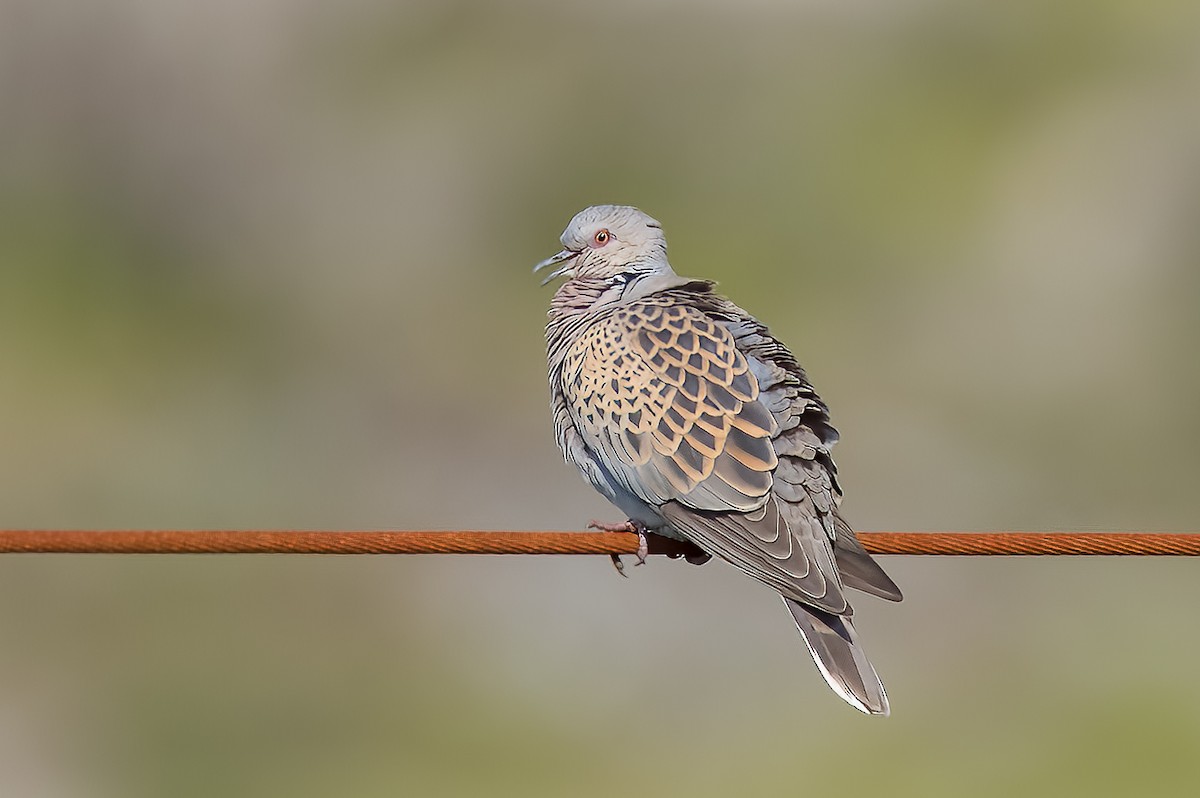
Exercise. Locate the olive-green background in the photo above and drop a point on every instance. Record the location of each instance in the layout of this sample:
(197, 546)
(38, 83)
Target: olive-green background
(267, 265)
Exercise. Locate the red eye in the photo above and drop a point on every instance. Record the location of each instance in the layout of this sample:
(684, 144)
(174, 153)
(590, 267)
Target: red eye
(601, 238)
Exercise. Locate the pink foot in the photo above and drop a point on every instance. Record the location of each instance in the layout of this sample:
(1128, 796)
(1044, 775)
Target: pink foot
(629, 526)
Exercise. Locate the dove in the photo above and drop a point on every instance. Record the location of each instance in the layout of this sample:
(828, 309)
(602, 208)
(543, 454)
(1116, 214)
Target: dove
(684, 411)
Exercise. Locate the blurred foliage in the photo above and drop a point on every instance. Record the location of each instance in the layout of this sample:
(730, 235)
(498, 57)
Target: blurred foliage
(267, 265)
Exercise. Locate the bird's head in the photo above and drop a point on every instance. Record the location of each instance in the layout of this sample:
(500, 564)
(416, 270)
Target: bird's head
(616, 243)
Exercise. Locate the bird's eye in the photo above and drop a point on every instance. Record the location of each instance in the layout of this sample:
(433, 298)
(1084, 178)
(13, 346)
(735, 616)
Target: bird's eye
(601, 238)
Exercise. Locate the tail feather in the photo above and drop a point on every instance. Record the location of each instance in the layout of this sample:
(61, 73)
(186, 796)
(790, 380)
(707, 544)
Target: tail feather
(834, 646)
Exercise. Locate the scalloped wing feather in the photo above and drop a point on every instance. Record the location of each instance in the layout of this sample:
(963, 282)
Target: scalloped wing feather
(700, 427)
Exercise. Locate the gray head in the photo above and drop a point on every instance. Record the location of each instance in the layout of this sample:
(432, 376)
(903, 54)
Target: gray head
(607, 242)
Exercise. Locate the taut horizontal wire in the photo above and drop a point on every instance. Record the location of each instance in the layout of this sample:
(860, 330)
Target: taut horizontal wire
(47, 541)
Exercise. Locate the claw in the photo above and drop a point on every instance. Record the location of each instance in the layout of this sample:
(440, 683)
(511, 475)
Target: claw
(643, 549)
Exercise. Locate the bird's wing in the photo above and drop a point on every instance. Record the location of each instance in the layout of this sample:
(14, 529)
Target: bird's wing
(673, 409)
(803, 442)
(857, 568)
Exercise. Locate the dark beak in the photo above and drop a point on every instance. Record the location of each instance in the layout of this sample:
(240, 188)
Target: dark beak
(566, 255)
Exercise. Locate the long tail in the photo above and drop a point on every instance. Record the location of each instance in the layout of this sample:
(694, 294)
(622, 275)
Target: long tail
(834, 647)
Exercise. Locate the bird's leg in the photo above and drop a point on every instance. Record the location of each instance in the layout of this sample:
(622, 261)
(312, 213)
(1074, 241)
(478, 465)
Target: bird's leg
(643, 548)
(634, 527)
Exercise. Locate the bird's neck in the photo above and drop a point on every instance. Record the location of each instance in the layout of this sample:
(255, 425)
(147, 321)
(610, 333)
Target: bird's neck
(577, 296)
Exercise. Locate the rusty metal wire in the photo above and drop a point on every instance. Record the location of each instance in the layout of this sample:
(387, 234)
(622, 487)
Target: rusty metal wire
(499, 542)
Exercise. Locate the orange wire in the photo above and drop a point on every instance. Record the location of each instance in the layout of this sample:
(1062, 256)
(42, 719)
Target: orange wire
(502, 542)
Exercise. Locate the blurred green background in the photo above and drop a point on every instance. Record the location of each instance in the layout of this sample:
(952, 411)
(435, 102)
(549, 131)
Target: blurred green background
(267, 265)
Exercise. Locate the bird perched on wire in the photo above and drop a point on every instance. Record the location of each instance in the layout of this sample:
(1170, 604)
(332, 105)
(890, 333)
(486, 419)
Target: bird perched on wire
(688, 415)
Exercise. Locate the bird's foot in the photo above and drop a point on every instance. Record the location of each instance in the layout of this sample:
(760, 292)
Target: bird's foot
(623, 526)
(643, 549)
